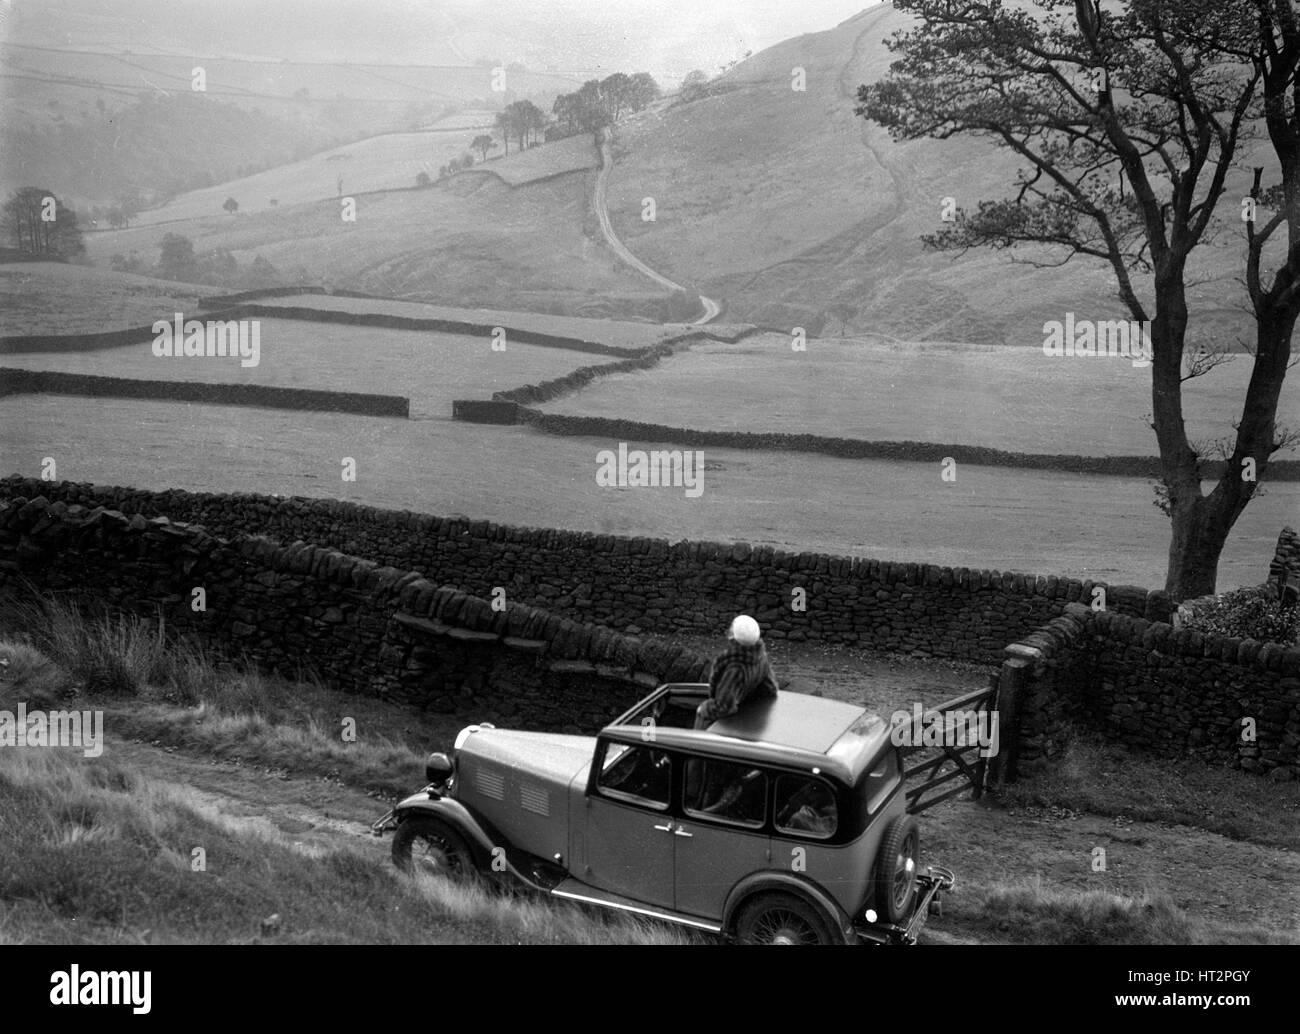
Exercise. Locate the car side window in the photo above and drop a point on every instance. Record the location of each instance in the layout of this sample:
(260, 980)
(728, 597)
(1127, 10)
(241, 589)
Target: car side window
(726, 791)
(806, 806)
(641, 775)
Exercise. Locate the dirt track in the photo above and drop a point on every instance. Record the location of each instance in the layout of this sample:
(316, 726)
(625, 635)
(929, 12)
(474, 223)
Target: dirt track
(599, 201)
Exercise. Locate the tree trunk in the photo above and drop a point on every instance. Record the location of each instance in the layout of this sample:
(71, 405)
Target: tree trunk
(1197, 540)
(1201, 523)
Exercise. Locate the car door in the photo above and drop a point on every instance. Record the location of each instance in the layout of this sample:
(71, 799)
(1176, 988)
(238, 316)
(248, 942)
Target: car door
(629, 831)
(721, 835)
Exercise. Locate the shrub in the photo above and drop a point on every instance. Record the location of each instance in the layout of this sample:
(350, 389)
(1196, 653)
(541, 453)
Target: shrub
(679, 307)
(1255, 613)
(111, 654)
(263, 273)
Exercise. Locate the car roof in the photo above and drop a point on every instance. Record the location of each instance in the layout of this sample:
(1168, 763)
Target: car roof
(792, 729)
(791, 720)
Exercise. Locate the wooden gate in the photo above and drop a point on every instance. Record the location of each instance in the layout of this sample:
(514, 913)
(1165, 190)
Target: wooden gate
(930, 768)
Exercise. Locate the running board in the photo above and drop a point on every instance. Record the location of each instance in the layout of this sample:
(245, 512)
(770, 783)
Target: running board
(575, 890)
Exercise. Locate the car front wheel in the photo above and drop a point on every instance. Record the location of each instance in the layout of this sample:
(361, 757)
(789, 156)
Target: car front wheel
(781, 919)
(432, 846)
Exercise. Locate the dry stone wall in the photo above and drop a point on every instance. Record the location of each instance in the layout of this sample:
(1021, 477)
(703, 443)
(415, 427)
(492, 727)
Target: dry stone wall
(20, 381)
(361, 626)
(429, 635)
(1157, 689)
(639, 584)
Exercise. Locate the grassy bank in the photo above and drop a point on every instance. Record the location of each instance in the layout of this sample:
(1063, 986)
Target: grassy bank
(96, 850)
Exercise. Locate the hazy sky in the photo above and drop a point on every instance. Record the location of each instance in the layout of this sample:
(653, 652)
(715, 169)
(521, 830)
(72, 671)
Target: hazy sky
(683, 34)
(665, 37)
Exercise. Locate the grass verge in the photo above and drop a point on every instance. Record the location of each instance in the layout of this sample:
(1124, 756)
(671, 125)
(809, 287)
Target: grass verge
(1102, 779)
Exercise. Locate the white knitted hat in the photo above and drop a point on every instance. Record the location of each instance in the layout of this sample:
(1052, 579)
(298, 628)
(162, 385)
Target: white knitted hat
(744, 630)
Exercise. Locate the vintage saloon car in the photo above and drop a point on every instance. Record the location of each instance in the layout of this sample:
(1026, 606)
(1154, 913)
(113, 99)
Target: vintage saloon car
(784, 824)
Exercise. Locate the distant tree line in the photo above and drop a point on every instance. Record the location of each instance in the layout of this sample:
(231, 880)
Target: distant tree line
(697, 84)
(602, 102)
(522, 120)
(121, 213)
(177, 260)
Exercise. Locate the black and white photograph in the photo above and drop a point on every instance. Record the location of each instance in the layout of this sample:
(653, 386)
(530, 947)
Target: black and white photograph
(529, 484)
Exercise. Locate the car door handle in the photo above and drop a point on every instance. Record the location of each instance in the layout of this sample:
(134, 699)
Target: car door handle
(664, 829)
(681, 832)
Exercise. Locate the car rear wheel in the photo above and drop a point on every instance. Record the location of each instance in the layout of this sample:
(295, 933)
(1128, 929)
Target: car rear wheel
(781, 919)
(432, 846)
(900, 855)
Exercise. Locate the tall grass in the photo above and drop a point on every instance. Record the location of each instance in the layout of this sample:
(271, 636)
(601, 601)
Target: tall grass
(101, 653)
(174, 692)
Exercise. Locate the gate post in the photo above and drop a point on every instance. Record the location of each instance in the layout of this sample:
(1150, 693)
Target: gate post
(1012, 680)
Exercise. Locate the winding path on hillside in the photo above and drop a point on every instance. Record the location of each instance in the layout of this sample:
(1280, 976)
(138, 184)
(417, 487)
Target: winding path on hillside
(711, 308)
(839, 248)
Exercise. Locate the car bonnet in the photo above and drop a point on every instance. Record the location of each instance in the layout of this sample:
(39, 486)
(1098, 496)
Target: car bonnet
(551, 756)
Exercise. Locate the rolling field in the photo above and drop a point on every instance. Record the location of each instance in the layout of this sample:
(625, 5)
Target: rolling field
(620, 333)
(58, 298)
(55, 298)
(1015, 399)
(1086, 527)
(556, 158)
(430, 368)
(470, 242)
(386, 162)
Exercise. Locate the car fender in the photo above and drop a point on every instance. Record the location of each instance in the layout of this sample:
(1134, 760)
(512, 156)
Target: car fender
(457, 816)
(790, 882)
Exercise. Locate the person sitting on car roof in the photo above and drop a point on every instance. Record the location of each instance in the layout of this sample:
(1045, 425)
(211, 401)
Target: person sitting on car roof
(741, 673)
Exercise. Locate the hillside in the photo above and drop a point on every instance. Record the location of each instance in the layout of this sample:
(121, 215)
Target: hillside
(470, 241)
(782, 204)
(93, 122)
(797, 212)
(156, 145)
